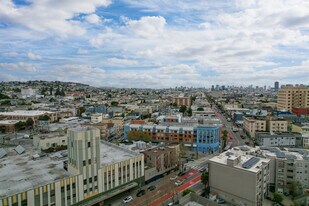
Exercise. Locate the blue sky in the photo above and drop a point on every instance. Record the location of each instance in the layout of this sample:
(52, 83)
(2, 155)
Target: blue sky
(152, 43)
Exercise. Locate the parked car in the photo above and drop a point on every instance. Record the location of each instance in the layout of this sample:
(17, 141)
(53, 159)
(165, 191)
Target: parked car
(181, 173)
(127, 199)
(170, 204)
(140, 193)
(174, 178)
(247, 143)
(203, 170)
(220, 201)
(179, 182)
(242, 136)
(152, 187)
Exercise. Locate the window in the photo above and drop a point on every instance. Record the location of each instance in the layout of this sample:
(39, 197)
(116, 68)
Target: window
(85, 182)
(95, 178)
(84, 163)
(89, 161)
(89, 144)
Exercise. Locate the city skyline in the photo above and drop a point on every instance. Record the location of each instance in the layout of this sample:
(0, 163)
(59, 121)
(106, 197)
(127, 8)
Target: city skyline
(153, 44)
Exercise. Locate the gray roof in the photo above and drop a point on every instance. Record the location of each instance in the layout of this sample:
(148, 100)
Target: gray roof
(19, 149)
(2, 152)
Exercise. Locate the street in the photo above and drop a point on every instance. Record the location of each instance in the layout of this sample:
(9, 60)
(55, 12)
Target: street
(165, 191)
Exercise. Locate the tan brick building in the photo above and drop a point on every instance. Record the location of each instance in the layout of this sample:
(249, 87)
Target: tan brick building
(290, 97)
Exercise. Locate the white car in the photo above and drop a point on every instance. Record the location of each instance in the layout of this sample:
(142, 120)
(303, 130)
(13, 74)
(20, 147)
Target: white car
(174, 178)
(179, 182)
(170, 204)
(127, 199)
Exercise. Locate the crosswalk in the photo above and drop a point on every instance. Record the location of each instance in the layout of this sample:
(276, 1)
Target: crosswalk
(198, 164)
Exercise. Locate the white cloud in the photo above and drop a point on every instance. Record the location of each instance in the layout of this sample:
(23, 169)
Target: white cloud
(50, 16)
(10, 54)
(120, 62)
(93, 19)
(148, 26)
(82, 51)
(19, 66)
(33, 56)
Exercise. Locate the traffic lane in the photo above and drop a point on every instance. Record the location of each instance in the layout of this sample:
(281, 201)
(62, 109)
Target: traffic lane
(117, 200)
(177, 190)
(163, 189)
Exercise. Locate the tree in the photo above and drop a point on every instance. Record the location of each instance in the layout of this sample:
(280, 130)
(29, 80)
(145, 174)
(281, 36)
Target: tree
(296, 188)
(189, 112)
(80, 111)
(138, 135)
(183, 109)
(52, 99)
(174, 104)
(44, 118)
(29, 122)
(2, 129)
(187, 191)
(17, 90)
(3, 96)
(20, 125)
(205, 181)
(224, 137)
(277, 198)
(113, 103)
(200, 109)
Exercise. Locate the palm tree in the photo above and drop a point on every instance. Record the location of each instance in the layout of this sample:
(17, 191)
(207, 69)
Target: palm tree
(205, 181)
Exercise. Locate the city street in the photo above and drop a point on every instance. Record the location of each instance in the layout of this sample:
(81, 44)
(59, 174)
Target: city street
(165, 190)
(233, 136)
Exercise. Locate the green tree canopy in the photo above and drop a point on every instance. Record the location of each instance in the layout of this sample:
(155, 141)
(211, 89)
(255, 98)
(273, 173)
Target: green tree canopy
(183, 109)
(200, 109)
(187, 191)
(277, 198)
(44, 118)
(29, 122)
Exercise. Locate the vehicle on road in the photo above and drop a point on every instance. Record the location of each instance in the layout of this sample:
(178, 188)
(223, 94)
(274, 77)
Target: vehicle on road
(140, 193)
(127, 199)
(203, 170)
(220, 201)
(174, 178)
(181, 173)
(235, 129)
(242, 136)
(228, 119)
(152, 187)
(247, 142)
(179, 182)
(170, 204)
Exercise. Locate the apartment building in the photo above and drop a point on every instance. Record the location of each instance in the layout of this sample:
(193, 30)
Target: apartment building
(290, 97)
(93, 171)
(247, 180)
(23, 115)
(291, 166)
(202, 137)
(159, 161)
(269, 139)
(182, 101)
(50, 140)
(253, 124)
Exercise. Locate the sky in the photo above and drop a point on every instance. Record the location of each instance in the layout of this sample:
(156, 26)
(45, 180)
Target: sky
(155, 43)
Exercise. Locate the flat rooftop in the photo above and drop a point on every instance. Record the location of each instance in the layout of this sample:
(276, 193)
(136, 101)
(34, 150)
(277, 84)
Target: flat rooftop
(234, 154)
(29, 113)
(9, 122)
(20, 172)
(110, 153)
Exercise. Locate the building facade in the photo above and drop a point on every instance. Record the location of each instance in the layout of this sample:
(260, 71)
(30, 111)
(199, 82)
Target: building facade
(290, 97)
(182, 101)
(204, 138)
(278, 139)
(92, 170)
(247, 180)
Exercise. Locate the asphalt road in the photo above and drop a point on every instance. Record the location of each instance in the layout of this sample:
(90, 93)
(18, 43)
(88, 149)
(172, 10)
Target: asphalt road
(165, 190)
(235, 136)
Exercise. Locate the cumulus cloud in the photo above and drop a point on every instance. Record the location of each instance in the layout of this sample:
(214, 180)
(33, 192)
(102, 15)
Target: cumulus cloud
(82, 51)
(93, 19)
(50, 16)
(19, 66)
(147, 26)
(120, 62)
(33, 56)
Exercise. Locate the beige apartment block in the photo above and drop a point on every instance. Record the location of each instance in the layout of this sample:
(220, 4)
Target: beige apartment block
(276, 125)
(254, 124)
(182, 101)
(238, 178)
(289, 97)
(260, 124)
